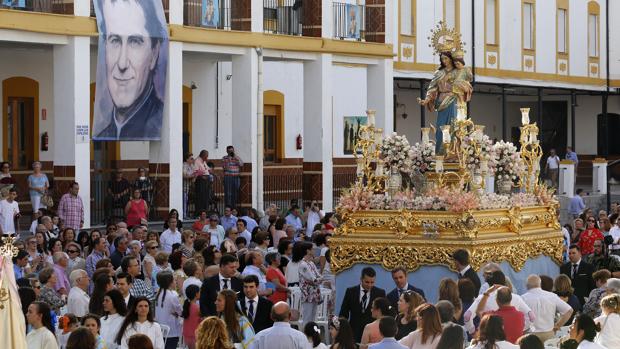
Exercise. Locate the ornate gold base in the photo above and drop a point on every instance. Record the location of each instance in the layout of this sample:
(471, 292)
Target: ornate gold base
(415, 238)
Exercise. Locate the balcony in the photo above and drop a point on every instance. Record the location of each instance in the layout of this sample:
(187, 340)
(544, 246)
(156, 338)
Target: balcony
(282, 17)
(349, 21)
(62, 7)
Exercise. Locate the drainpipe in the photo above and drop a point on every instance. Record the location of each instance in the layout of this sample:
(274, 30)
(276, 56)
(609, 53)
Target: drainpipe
(260, 133)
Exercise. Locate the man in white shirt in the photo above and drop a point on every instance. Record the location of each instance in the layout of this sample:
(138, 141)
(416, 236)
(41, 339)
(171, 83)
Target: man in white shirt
(78, 300)
(553, 168)
(615, 234)
(545, 305)
(313, 217)
(9, 210)
(190, 268)
(496, 278)
(170, 236)
(280, 335)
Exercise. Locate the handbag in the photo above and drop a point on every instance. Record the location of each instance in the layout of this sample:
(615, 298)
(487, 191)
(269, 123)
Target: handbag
(47, 200)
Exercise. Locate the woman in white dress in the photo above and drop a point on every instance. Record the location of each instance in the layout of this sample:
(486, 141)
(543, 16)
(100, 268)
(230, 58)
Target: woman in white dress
(115, 311)
(582, 333)
(140, 320)
(42, 335)
(609, 322)
(491, 334)
(312, 332)
(428, 333)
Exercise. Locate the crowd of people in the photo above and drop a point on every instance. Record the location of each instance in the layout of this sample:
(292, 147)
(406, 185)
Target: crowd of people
(224, 281)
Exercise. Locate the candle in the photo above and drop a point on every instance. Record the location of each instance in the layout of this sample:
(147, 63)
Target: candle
(478, 132)
(484, 166)
(533, 136)
(525, 116)
(379, 170)
(445, 130)
(360, 166)
(461, 112)
(378, 135)
(425, 135)
(439, 164)
(371, 117)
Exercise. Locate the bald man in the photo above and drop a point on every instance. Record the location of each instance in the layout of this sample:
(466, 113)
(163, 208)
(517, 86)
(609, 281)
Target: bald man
(280, 335)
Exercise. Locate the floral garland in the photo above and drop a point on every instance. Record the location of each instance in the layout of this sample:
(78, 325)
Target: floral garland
(508, 164)
(440, 199)
(422, 156)
(397, 153)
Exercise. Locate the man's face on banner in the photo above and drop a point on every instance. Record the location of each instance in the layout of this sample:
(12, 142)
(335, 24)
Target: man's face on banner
(130, 56)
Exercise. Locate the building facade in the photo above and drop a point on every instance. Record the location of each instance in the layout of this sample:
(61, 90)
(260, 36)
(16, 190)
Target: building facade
(556, 57)
(284, 67)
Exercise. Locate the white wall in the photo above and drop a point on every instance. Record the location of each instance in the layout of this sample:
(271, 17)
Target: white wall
(35, 63)
(349, 91)
(288, 79)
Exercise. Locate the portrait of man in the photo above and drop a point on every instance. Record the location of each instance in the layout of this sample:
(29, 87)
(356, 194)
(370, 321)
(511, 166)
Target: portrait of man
(131, 70)
(210, 13)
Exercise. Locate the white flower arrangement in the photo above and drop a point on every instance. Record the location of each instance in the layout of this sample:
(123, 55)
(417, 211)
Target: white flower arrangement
(422, 157)
(507, 164)
(473, 161)
(396, 152)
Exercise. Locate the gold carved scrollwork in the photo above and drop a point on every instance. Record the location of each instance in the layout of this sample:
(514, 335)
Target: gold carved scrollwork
(395, 238)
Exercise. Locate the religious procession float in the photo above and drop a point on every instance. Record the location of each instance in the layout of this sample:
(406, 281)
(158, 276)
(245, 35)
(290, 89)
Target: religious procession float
(413, 205)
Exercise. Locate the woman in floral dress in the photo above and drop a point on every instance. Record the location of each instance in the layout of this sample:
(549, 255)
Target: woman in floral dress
(310, 280)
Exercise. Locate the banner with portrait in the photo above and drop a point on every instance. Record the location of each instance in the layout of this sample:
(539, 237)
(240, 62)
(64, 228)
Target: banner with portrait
(354, 21)
(132, 65)
(210, 13)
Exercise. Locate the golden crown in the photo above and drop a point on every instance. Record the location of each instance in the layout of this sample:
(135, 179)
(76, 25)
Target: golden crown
(444, 39)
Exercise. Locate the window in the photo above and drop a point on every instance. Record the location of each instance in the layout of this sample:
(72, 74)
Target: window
(450, 8)
(562, 37)
(491, 24)
(528, 26)
(593, 35)
(406, 17)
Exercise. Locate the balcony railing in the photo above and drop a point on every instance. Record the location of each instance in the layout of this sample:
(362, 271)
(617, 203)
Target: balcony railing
(63, 7)
(349, 21)
(282, 17)
(210, 16)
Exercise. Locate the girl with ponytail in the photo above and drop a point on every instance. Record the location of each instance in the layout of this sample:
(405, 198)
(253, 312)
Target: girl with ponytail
(191, 314)
(609, 322)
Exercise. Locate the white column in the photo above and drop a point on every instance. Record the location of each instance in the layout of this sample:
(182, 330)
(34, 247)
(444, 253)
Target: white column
(318, 128)
(380, 92)
(257, 15)
(599, 176)
(327, 13)
(567, 178)
(81, 8)
(72, 113)
(168, 150)
(204, 109)
(244, 112)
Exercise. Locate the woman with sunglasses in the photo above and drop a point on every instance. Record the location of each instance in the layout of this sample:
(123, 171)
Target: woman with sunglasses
(587, 238)
(406, 318)
(187, 243)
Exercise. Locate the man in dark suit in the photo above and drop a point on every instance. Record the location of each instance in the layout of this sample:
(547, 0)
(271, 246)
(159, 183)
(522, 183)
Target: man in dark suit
(461, 259)
(399, 275)
(579, 272)
(357, 302)
(256, 308)
(224, 280)
(123, 284)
